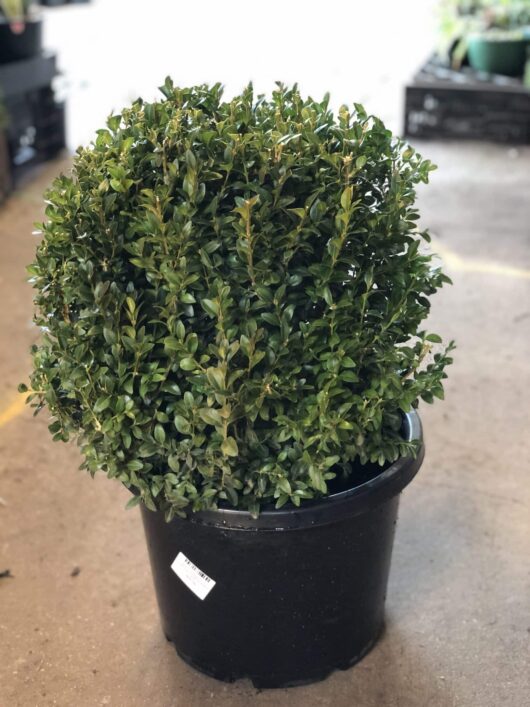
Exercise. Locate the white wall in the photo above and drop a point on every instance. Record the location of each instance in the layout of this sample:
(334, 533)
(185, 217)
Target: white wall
(111, 51)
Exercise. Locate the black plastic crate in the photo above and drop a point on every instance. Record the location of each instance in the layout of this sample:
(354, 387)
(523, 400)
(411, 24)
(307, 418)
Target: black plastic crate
(36, 121)
(19, 77)
(6, 181)
(466, 104)
(36, 135)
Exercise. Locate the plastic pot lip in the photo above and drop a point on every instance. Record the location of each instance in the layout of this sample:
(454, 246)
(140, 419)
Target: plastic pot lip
(35, 19)
(497, 39)
(330, 509)
(31, 27)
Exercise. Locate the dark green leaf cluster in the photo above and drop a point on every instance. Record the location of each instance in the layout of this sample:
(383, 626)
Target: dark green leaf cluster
(231, 296)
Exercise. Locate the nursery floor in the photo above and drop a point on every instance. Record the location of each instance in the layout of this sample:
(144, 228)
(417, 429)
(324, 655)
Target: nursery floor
(78, 621)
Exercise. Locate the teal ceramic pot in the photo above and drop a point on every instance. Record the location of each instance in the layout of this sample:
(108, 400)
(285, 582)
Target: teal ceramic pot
(497, 56)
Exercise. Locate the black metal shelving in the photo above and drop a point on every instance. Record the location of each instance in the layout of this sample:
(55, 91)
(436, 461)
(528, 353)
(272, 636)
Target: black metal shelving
(36, 120)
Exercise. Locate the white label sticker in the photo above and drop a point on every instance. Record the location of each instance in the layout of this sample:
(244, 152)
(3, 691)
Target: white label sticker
(194, 578)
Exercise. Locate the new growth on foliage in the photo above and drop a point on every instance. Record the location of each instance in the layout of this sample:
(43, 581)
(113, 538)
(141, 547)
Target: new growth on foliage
(231, 297)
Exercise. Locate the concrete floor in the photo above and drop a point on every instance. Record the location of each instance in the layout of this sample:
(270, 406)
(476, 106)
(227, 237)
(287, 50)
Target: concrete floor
(78, 620)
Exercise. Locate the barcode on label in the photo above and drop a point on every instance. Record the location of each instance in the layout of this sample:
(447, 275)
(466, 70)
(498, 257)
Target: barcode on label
(195, 579)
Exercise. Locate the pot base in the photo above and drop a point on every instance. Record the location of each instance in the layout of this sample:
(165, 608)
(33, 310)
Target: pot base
(268, 681)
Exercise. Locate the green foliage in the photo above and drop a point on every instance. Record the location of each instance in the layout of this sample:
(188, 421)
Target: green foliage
(498, 19)
(231, 296)
(14, 10)
(500, 14)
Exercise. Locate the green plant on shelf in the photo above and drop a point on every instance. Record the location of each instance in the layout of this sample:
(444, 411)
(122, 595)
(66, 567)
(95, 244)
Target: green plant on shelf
(16, 13)
(498, 20)
(231, 296)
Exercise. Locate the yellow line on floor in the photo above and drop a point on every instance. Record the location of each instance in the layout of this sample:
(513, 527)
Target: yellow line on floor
(457, 262)
(14, 409)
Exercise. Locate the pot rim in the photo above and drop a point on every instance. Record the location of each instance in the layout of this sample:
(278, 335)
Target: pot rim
(330, 509)
(496, 39)
(35, 19)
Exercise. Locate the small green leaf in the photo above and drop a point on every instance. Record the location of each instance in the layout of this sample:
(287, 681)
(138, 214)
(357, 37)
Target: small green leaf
(182, 424)
(282, 500)
(181, 331)
(317, 480)
(326, 294)
(349, 376)
(191, 160)
(210, 307)
(102, 404)
(245, 345)
(187, 364)
(211, 416)
(270, 318)
(345, 199)
(229, 447)
(216, 378)
(160, 434)
(331, 461)
(174, 463)
(171, 344)
(134, 501)
(284, 485)
(345, 425)
(317, 210)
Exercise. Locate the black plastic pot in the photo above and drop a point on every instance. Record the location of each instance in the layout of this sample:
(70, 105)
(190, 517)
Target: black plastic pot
(23, 45)
(288, 597)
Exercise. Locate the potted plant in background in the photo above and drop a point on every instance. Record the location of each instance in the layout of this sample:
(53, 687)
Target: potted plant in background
(20, 30)
(231, 296)
(493, 36)
(497, 51)
(499, 46)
